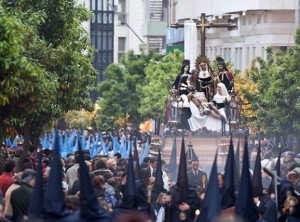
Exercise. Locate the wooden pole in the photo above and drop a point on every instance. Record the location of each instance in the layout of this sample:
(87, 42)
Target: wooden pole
(203, 34)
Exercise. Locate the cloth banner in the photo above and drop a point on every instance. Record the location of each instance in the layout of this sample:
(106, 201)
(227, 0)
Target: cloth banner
(190, 42)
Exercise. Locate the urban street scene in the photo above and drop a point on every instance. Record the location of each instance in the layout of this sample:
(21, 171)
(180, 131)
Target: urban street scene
(150, 111)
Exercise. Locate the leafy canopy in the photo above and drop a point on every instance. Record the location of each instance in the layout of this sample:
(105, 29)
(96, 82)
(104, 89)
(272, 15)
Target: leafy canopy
(276, 101)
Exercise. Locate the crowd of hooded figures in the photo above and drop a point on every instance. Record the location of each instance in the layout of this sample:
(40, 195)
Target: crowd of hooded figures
(99, 177)
(41, 185)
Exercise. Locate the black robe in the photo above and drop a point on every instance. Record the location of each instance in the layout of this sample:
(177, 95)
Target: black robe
(191, 199)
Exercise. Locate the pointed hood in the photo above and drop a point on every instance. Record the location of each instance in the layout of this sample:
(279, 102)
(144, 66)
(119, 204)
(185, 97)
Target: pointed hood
(182, 180)
(36, 209)
(55, 206)
(90, 209)
(136, 161)
(237, 157)
(159, 183)
(135, 198)
(172, 167)
(211, 207)
(129, 200)
(256, 178)
(245, 206)
(228, 197)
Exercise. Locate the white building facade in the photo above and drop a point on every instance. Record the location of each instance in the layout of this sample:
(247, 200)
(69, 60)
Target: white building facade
(260, 23)
(138, 24)
(129, 18)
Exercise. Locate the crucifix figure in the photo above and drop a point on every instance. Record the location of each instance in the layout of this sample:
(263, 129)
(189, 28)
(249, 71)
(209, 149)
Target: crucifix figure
(203, 25)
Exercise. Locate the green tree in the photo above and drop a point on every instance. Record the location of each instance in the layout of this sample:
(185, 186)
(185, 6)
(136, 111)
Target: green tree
(159, 78)
(121, 97)
(276, 101)
(56, 73)
(21, 77)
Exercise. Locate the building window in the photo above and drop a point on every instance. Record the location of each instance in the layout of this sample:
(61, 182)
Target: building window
(248, 56)
(240, 64)
(123, 6)
(98, 44)
(236, 56)
(110, 18)
(249, 19)
(283, 48)
(102, 34)
(93, 38)
(99, 6)
(265, 17)
(110, 40)
(244, 20)
(121, 47)
(259, 18)
(225, 54)
(99, 18)
(104, 18)
(93, 19)
(93, 4)
(122, 15)
(104, 41)
(105, 8)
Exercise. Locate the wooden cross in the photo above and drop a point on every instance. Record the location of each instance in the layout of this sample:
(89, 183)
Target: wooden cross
(204, 25)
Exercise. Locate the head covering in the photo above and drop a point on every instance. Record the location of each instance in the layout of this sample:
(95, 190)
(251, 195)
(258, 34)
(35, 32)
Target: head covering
(256, 178)
(194, 71)
(185, 63)
(172, 167)
(228, 197)
(211, 207)
(36, 209)
(129, 200)
(182, 180)
(220, 61)
(245, 206)
(55, 207)
(181, 192)
(159, 183)
(90, 209)
(135, 198)
(224, 91)
(237, 158)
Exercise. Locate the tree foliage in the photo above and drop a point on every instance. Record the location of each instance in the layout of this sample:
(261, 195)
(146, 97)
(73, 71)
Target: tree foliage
(20, 75)
(121, 96)
(159, 78)
(276, 101)
(46, 59)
